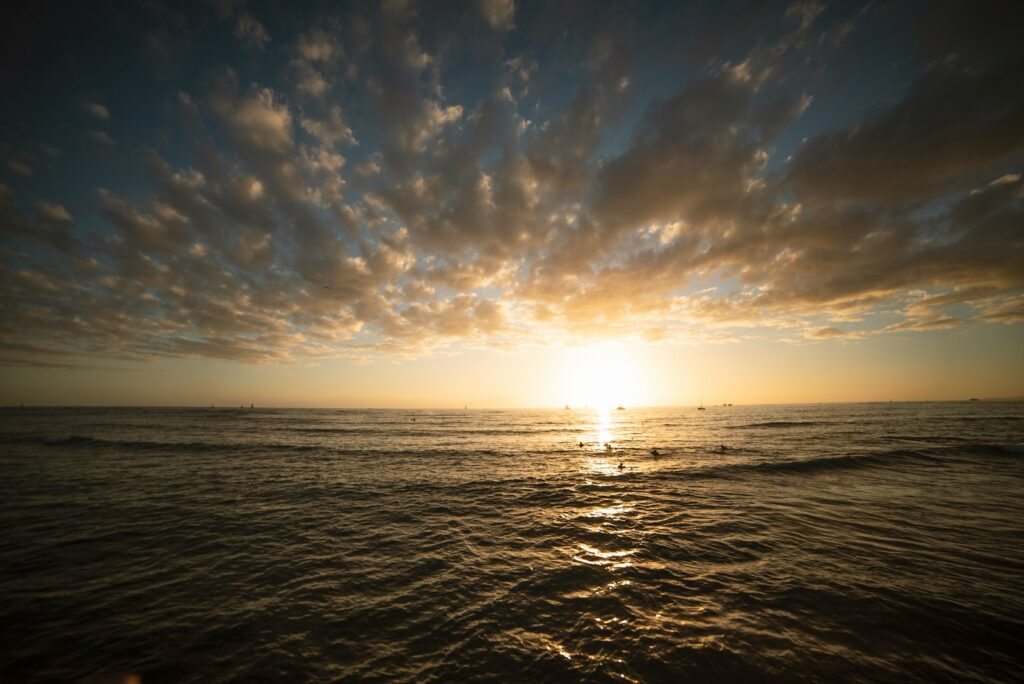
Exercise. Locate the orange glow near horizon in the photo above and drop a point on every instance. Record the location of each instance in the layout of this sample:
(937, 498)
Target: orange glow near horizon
(603, 376)
(976, 362)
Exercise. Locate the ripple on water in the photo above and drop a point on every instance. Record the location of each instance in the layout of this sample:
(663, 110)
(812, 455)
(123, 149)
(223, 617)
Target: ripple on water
(493, 547)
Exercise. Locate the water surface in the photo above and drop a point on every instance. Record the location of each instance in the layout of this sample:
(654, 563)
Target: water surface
(877, 542)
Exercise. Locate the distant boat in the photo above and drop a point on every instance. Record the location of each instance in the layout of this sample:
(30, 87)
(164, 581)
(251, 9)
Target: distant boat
(250, 406)
(701, 407)
(974, 399)
(567, 407)
(619, 408)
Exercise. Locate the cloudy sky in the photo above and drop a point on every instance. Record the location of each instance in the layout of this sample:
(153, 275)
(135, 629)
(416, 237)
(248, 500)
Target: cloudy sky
(404, 203)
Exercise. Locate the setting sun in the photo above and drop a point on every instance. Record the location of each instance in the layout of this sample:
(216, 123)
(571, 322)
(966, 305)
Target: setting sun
(603, 377)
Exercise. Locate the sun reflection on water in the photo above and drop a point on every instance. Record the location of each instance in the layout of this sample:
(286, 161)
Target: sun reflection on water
(602, 442)
(594, 556)
(603, 427)
(605, 554)
(608, 511)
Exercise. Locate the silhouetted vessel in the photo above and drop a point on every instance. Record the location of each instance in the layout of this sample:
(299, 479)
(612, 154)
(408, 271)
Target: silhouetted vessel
(619, 408)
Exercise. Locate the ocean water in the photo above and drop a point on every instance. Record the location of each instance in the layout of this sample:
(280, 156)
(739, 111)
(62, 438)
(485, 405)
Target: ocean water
(870, 542)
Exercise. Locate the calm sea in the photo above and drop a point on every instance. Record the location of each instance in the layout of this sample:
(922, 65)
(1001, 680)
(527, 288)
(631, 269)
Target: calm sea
(872, 542)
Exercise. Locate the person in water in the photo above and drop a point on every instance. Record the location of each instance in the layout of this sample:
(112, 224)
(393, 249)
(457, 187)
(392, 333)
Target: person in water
(622, 466)
(655, 453)
(581, 445)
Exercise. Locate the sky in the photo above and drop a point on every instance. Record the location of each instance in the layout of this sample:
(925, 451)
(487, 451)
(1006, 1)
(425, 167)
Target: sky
(503, 203)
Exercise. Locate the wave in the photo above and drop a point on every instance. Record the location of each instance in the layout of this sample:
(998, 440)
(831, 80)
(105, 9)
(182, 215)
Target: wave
(933, 456)
(783, 424)
(848, 461)
(1007, 448)
(810, 465)
(426, 429)
(86, 442)
(976, 419)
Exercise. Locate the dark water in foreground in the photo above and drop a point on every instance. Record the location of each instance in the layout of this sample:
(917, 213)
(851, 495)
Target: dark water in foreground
(870, 542)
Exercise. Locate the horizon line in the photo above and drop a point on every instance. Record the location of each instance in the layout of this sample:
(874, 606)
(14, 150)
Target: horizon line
(252, 407)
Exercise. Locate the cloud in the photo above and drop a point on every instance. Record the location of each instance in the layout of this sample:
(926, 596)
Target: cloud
(35, 362)
(331, 130)
(499, 14)
(102, 137)
(17, 160)
(1008, 310)
(977, 116)
(53, 212)
(20, 167)
(695, 155)
(256, 118)
(96, 109)
(50, 228)
(250, 32)
(319, 56)
(931, 323)
(825, 333)
(319, 46)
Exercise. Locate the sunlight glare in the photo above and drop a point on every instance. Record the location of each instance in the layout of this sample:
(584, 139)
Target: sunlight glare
(603, 377)
(603, 427)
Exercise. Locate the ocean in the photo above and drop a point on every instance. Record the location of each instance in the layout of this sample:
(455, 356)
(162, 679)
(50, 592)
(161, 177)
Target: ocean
(839, 542)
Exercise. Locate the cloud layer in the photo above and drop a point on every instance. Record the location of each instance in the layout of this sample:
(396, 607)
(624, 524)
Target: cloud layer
(392, 181)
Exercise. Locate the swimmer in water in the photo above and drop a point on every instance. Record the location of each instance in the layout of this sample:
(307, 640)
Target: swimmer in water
(722, 447)
(607, 446)
(581, 445)
(622, 466)
(655, 453)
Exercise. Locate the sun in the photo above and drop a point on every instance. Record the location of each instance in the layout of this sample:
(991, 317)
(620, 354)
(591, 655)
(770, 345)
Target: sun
(603, 377)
